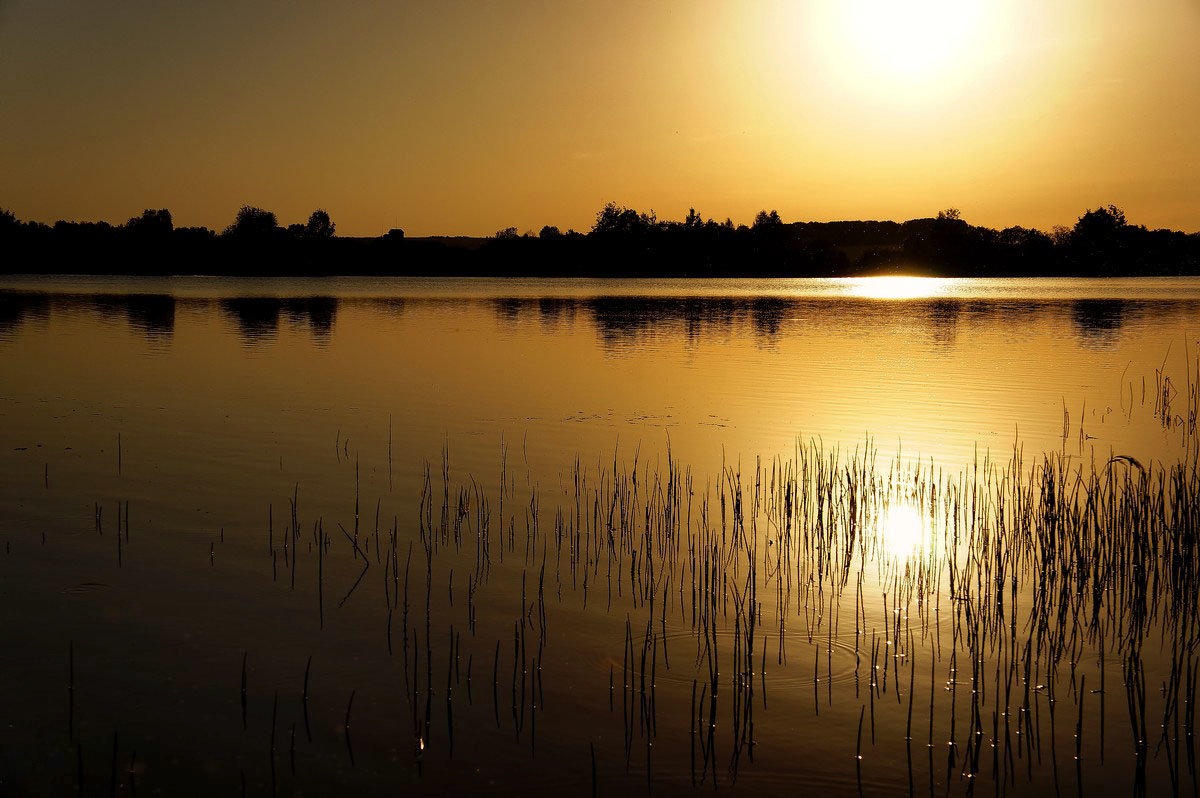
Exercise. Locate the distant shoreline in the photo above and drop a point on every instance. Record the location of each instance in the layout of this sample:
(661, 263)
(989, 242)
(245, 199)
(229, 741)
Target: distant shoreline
(42, 278)
(622, 243)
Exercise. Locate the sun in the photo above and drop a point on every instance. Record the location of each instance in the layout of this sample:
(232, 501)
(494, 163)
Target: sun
(916, 38)
(907, 50)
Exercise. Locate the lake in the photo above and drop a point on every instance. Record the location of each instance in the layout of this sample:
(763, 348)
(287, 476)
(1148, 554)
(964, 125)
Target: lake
(844, 536)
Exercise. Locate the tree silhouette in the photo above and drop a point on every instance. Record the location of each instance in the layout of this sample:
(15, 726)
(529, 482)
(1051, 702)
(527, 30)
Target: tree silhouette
(1101, 222)
(763, 219)
(622, 242)
(151, 222)
(1099, 240)
(319, 225)
(252, 222)
(614, 219)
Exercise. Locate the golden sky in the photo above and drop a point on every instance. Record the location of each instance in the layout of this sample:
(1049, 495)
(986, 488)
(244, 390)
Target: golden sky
(466, 117)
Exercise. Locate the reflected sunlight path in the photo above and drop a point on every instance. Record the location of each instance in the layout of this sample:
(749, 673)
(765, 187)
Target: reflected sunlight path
(898, 287)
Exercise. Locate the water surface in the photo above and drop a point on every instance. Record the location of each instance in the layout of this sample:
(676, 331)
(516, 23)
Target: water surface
(208, 406)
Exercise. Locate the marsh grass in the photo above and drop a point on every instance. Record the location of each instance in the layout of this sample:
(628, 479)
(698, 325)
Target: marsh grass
(1007, 586)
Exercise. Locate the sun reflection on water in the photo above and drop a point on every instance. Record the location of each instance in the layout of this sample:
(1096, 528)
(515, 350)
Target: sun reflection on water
(897, 287)
(903, 531)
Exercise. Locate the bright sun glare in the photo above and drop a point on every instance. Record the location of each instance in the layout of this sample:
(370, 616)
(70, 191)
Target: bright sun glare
(908, 50)
(917, 37)
(903, 530)
(897, 287)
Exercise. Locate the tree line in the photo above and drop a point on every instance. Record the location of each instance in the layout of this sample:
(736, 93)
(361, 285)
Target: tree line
(621, 242)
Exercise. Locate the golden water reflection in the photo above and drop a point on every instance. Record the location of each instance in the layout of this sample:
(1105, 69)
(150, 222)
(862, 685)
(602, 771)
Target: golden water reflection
(904, 532)
(898, 287)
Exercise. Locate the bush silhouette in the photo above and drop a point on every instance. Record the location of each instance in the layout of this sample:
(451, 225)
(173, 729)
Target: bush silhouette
(252, 222)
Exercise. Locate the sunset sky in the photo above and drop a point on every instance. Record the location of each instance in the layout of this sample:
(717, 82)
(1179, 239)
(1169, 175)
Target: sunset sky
(466, 117)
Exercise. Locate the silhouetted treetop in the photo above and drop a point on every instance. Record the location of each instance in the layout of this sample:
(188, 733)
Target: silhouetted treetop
(614, 219)
(151, 222)
(319, 225)
(194, 234)
(252, 222)
(764, 219)
(1101, 221)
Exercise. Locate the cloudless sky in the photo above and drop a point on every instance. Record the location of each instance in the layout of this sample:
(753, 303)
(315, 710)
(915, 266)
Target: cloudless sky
(450, 117)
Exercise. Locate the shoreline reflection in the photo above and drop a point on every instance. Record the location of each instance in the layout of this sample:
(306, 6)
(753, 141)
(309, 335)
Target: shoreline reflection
(624, 322)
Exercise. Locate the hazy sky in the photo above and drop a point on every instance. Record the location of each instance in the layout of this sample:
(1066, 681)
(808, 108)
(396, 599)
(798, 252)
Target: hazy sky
(466, 117)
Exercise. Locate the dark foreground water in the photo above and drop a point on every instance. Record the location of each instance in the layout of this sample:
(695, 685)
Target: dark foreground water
(543, 537)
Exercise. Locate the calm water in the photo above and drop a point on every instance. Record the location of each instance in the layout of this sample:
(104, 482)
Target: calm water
(157, 438)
